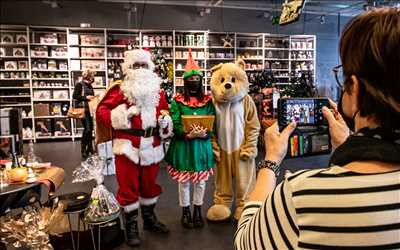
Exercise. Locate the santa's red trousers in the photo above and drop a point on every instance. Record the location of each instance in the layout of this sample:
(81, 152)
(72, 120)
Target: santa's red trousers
(135, 181)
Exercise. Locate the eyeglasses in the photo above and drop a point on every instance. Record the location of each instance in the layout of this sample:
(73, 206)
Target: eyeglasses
(339, 75)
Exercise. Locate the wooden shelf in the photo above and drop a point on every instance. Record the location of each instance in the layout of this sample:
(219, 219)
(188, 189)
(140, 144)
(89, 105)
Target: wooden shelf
(88, 46)
(11, 87)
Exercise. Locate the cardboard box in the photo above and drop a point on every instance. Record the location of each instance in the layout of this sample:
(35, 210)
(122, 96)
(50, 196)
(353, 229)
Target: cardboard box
(40, 109)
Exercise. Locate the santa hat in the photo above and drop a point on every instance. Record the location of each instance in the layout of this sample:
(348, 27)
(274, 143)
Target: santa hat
(191, 67)
(137, 56)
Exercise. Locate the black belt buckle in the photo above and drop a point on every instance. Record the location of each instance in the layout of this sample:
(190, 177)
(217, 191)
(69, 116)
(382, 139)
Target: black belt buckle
(148, 132)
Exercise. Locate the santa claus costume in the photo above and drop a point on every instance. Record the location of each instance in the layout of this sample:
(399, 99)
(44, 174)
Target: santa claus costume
(134, 113)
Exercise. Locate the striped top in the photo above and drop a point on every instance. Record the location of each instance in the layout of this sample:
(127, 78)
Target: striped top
(330, 208)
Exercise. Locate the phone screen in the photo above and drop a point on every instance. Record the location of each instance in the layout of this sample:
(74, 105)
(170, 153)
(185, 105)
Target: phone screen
(300, 110)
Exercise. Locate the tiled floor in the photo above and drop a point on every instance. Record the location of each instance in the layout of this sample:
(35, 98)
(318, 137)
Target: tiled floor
(212, 236)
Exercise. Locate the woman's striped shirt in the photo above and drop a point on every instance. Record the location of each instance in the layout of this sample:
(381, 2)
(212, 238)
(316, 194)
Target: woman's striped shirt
(330, 208)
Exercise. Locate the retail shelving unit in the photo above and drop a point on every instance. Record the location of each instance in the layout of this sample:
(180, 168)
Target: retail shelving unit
(39, 66)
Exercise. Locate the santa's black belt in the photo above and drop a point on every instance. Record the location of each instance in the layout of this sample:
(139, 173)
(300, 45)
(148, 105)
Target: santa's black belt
(140, 132)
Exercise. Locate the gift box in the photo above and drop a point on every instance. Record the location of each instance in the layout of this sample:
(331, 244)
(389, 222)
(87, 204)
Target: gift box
(63, 65)
(43, 127)
(7, 38)
(22, 64)
(39, 51)
(75, 65)
(40, 109)
(92, 39)
(49, 38)
(92, 52)
(55, 109)
(51, 64)
(92, 64)
(60, 52)
(18, 52)
(21, 38)
(42, 94)
(10, 65)
(60, 94)
(73, 39)
(62, 127)
(205, 121)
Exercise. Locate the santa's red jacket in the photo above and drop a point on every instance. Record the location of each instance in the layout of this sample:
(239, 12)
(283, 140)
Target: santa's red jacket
(111, 113)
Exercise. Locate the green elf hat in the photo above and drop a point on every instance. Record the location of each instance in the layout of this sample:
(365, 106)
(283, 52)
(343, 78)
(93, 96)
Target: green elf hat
(191, 67)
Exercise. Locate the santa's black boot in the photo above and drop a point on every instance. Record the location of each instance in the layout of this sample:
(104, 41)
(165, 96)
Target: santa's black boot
(186, 219)
(131, 227)
(197, 217)
(150, 222)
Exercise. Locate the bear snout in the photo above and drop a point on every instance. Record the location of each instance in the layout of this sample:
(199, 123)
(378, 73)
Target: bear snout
(228, 85)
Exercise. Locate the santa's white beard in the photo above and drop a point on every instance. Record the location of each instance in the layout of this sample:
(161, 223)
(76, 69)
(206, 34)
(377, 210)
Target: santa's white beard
(141, 87)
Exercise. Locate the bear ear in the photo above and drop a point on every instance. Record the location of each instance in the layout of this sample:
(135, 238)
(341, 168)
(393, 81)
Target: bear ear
(241, 63)
(216, 67)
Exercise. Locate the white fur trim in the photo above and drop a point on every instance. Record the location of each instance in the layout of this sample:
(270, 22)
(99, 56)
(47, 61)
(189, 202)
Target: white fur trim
(148, 201)
(137, 56)
(145, 156)
(131, 207)
(170, 127)
(120, 117)
(124, 147)
(148, 153)
(133, 110)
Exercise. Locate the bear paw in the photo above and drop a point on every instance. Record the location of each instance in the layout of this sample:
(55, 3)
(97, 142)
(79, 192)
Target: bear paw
(218, 213)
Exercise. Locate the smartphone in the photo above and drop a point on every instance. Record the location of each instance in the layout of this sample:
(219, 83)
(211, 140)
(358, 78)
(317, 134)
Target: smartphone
(304, 111)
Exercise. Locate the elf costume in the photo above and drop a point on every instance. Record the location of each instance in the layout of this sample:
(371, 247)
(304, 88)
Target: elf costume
(190, 156)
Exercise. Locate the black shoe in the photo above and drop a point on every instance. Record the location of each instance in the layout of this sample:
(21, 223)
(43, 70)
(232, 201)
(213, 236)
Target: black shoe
(84, 153)
(150, 222)
(186, 218)
(197, 218)
(131, 227)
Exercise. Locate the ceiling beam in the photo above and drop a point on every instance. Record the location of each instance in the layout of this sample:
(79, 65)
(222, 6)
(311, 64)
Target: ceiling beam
(221, 4)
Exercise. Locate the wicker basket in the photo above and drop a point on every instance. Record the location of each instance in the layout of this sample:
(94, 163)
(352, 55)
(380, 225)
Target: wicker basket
(206, 121)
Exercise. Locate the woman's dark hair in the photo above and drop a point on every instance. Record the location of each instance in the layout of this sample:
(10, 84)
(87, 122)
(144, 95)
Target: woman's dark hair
(370, 50)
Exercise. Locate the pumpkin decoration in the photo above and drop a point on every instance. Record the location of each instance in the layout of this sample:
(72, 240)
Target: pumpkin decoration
(18, 174)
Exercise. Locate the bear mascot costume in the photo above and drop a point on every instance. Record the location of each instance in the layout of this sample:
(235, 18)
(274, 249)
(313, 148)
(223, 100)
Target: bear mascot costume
(235, 148)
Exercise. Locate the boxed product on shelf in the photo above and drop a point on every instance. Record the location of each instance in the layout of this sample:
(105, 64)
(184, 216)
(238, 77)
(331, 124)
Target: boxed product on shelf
(52, 65)
(98, 81)
(49, 38)
(75, 65)
(60, 52)
(63, 65)
(18, 52)
(92, 39)
(39, 65)
(7, 38)
(92, 64)
(39, 51)
(178, 54)
(42, 94)
(22, 64)
(43, 127)
(73, 52)
(92, 52)
(41, 109)
(73, 39)
(10, 65)
(55, 109)
(62, 127)
(21, 38)
(60, 94)
(2, 52)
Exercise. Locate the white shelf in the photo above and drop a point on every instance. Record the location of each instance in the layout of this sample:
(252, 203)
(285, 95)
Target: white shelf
(117, 46)
(54, 45)
(50, 79)
(13, 44)
(14, 70)
(190, 47)
(159, 47)
(51, 116)
(249, 48)
(302, 49)
(276, 59)
(14, 79)
(51, 100)
(15, 96)
(94, 70)
(50, 87)
(219, 47)
(15, 57)
(88, 46)
(272, 48)
(221, 59)
(252, 59)
(49, 70)
(115, 58)
(87, 58)
(50, 57)
(306, 60)
(15, 87)
(16, 105)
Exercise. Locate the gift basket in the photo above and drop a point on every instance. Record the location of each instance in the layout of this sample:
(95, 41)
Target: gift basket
(103, 206)
(31, 229)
